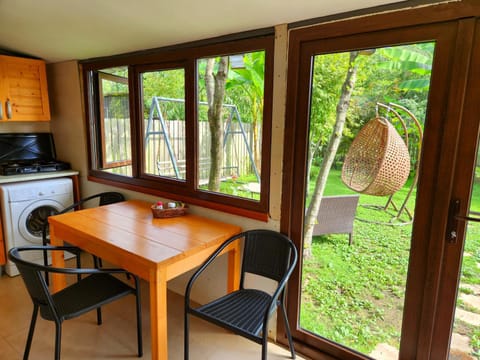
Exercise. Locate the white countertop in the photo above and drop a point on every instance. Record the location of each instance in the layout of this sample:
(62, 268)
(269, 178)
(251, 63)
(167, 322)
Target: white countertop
(36, 176)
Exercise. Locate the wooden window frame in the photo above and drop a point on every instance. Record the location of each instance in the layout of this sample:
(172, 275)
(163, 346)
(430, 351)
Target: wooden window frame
(183, 56)
(421, 316)
(113, 78)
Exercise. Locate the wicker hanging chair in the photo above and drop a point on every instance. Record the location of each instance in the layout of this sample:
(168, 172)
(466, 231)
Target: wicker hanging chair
(378, 162)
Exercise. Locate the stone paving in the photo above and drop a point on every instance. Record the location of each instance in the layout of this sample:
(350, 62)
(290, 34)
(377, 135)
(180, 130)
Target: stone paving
(460, 345)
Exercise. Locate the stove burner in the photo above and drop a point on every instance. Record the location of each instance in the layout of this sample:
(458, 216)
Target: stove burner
(32, 166)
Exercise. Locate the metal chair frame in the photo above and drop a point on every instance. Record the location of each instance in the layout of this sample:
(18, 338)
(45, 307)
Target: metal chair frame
(105, 198)
(253, 307)
(91, 292)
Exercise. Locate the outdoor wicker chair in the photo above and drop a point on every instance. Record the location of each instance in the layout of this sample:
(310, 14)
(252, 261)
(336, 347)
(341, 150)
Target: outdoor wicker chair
(247, 310)
(96, 289)
(104, 198)
(336, 216)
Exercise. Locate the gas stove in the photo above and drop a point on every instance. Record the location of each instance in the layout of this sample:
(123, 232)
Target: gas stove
(28, 153)
(32, 166)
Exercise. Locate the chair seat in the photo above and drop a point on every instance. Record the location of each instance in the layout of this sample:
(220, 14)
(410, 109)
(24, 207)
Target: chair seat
(88, 294)
(241, 311)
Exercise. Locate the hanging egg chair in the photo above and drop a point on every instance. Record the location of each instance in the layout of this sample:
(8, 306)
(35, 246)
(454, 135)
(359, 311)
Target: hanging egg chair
(377, 162)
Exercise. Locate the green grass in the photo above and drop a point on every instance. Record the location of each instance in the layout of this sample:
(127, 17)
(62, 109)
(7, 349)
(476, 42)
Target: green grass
(235, 187)
(354, 295)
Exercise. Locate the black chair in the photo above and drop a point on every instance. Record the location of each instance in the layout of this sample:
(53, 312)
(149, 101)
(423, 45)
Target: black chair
(91, 292)
(104, 198)
(247, 311)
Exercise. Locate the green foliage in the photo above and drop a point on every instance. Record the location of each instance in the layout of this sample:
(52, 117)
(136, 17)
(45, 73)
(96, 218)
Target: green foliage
(328, 76)
(354, 295)
(168, 84)
(394, 74)
(412, 60)
(245, 87)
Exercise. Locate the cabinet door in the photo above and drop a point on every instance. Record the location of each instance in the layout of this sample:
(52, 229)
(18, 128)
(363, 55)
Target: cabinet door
(24, 94)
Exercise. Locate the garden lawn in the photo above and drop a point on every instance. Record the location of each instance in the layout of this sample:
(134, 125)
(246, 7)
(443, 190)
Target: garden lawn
(354, 295)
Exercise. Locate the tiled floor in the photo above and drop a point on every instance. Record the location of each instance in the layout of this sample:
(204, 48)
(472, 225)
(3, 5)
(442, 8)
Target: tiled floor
(115, 338)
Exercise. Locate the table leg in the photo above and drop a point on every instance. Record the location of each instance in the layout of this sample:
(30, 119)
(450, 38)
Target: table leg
(158, 315)
(58, 280)
(233, 281)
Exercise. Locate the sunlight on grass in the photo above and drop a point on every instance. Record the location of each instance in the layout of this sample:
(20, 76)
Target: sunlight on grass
(354, 295)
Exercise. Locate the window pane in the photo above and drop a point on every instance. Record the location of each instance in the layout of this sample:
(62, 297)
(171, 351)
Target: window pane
(361, 194)
(115, 121)
(164, 123)
(230, 118)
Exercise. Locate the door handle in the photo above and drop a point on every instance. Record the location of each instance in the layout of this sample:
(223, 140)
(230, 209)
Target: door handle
(453, 218)
(1, 111)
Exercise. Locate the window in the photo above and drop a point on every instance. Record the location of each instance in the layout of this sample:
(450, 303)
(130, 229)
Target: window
(115, 132)
(191, 124)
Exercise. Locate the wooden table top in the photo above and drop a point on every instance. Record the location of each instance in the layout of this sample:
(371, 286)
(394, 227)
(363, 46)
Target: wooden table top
(128, 229)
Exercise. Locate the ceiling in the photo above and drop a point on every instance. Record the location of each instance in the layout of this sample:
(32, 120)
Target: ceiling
(60, 30)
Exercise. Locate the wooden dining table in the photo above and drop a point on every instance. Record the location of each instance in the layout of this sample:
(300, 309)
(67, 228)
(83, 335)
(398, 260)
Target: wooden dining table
(156, 249)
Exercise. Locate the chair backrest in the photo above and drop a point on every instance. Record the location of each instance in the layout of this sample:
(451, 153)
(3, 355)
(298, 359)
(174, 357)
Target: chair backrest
(32, 275)
(267, 253)
(110, 197)
(336, 215)
(104, 198)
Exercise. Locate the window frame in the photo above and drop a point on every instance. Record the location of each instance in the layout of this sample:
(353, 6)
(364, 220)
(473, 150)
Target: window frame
(113, 78)
(182, 56)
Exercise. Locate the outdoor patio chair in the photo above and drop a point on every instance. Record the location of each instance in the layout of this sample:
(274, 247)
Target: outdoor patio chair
(247, 310)
(336, 216)
(96, 289)
(104, 198)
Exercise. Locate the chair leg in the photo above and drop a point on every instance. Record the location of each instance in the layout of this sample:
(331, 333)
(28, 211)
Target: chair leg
(45, 262)
(139, 318)
(287, 328)
(58, 339)
(185, 336)
(30, 332)
(96, 262)
(264, 344)
(79, 265)
(99, 316)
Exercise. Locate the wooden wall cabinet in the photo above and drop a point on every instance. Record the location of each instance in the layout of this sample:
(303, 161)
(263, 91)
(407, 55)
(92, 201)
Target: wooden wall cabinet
(23, 89)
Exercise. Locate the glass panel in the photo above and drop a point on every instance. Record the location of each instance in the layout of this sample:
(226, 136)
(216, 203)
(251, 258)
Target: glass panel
(164, 123)
(367, 115)
(115, 121)
(465, 341)
(230, 118)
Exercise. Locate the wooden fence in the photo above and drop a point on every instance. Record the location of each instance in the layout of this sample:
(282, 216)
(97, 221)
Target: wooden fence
(161, 161)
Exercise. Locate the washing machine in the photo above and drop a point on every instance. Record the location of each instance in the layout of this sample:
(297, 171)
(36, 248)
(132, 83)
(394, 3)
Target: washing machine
(26, 206)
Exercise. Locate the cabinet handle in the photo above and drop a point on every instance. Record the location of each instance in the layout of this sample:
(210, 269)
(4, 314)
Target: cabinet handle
(9, 109)
(1, 111)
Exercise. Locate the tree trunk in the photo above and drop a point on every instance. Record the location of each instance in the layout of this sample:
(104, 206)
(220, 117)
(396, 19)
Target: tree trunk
(331, 151)
(215, 87)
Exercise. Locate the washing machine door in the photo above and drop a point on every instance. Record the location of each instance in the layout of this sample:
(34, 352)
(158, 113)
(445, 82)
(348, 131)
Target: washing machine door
(34, 216)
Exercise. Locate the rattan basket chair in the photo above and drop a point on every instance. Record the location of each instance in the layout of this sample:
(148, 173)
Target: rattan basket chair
(378, 161)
